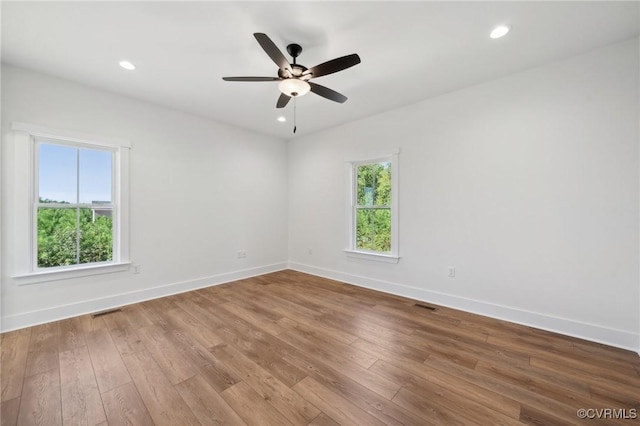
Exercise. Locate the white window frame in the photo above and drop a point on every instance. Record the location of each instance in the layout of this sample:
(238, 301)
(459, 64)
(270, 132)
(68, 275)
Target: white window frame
(26, 136)
(393, 255)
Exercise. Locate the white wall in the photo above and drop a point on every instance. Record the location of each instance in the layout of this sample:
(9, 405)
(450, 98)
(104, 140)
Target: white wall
(527, 185)
(200, 191)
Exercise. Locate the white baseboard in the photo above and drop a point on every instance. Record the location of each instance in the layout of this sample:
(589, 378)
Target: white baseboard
(27, 319)
(592, 332)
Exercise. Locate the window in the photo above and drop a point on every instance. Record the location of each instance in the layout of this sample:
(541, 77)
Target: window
(74, 205)
(373, 216)
(71, 209)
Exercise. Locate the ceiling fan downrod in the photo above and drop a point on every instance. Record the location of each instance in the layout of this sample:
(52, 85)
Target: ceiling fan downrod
(294, 50)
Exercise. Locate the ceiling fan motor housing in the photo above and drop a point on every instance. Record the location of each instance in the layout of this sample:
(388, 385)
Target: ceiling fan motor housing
(297, 71)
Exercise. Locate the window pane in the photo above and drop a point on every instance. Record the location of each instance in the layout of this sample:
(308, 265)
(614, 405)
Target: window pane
(96, 236)
(57, 237)
(95, 176)
(57, 173)
(373, 229)
(374, 184)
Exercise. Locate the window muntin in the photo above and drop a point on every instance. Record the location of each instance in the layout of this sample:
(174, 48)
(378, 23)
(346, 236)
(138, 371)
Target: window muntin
(74, 205)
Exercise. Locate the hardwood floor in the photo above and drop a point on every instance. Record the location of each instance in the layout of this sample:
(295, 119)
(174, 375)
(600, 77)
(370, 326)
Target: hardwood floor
(290, 348)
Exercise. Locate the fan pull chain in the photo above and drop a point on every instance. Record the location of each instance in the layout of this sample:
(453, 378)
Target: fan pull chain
(294, 115)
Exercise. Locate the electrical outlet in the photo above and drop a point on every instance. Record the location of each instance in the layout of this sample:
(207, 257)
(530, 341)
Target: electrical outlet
(241, 254)
(310, 250)
(136, 268)
(452, 272)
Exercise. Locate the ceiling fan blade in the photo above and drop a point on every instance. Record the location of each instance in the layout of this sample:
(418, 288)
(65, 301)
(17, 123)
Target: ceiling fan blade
(333, 65)
(250, 78)
(283, 100)
(325, 92)
(272, 50)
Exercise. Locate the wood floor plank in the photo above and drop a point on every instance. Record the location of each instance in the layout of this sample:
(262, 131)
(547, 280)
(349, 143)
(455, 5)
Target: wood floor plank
(190, 348)
(72, 334)
(448, 353)
(81, 402)
(163, 401)
(603, 398)
(534, 344)
(136, 316)
(251, 407)
(542, 385)
(115, 319)
(283, 399)
(218, 375)
(213, 295)
(598, 382)
(428, 410)
(43, 349)
(395, 355)
(376, 383)
(206, 404)
(14, 350)
(446, 378)
(398, 345)
(250, 315)
(422, 319)
(356, 393)
(124, 407)
(182, 319)
(90, 322)
(201, 309)
(334, 311)
(123, 333)
(126, 340)
(244, 297)
(9, 412)
(323, 420)
(284, 302)
(440, 398)
(157, 311)
(167, 355)
(604, 352)
(315, 326)
(339, 409)
(282, 369)
(508, 390)
(40, 402)
(604, 369)
(109, 369)
(535, 417)
(379, 333)
(480, 349)
(329, 344)
(266, 353)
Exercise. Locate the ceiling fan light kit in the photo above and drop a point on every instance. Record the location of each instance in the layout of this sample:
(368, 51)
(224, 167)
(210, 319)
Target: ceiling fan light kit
(294, 87)
(294, 78)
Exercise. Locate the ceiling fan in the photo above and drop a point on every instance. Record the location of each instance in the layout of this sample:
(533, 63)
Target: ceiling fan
(294, 78)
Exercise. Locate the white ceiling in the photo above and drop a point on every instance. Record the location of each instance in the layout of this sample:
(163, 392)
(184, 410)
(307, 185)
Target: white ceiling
(409, 50)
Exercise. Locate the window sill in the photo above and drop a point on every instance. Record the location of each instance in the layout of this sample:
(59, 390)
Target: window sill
(64, 274)
(378, 257)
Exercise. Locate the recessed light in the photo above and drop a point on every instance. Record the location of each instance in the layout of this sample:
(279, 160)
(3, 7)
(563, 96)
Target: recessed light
(127, 65)
(499, 31)
(282, 119)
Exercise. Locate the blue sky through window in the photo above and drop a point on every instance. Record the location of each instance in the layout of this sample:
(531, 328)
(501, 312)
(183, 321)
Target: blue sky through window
(58, 174)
